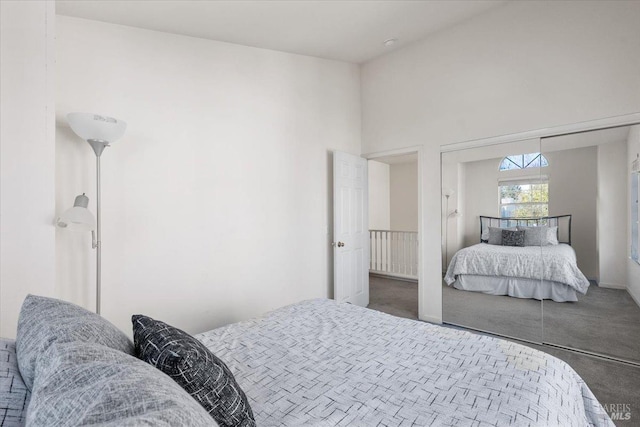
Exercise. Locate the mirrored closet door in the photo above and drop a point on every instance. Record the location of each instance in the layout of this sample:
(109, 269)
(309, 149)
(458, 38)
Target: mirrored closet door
(491, 266)
(591, 177)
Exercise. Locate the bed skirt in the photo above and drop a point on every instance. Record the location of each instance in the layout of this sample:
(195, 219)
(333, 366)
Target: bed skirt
(516, 287)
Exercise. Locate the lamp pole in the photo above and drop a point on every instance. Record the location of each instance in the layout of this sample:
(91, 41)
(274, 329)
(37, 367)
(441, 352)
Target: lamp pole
(446, 233)
(98, 147)
(98, 131)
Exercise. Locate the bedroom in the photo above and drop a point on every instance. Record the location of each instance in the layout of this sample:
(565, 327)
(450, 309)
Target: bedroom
(268, 184)
(582, 179)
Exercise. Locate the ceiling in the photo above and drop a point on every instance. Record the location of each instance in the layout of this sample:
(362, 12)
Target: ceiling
(346, 30)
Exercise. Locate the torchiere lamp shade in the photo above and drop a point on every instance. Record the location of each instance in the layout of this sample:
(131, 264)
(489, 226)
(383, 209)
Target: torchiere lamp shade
(94, 127)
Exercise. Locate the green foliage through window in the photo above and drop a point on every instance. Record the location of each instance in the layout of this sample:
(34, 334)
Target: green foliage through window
(524, 199)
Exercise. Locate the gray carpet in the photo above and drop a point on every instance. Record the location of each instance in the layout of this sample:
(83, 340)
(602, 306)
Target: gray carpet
(605, 321)
(512, 317)
(396, 297)
(612, 382)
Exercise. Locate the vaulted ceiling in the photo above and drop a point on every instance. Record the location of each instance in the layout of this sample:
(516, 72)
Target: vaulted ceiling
(352, 31)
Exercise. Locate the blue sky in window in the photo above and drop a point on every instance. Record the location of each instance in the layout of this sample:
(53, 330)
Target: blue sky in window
(523, 161)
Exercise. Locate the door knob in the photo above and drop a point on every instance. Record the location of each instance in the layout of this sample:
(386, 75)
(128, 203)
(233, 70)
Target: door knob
(340, 244)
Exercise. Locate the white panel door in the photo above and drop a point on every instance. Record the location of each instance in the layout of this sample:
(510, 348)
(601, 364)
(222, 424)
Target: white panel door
(350, 229)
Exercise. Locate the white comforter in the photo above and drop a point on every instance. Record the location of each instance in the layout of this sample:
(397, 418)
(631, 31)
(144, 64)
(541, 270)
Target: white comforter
(556, 263)
(322, 363)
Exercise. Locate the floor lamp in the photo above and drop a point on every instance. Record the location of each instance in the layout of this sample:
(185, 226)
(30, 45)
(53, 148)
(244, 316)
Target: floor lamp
(99, 132)
(447, 192)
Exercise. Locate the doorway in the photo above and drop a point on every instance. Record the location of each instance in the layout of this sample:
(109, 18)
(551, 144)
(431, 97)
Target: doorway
(394, 212)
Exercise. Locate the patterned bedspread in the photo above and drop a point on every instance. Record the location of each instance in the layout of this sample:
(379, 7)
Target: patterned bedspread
(322, 363)
(556, 263)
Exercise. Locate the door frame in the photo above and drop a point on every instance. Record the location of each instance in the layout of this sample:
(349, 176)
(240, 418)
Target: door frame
(579, 127)
(419, 150)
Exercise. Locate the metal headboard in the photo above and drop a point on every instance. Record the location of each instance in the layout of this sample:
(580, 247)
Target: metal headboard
(563, 222)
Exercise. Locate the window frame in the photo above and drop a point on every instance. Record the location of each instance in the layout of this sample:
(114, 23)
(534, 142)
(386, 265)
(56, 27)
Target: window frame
(538, 155)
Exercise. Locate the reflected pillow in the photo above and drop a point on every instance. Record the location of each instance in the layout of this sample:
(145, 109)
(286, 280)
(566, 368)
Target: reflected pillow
(540, 236)
(512, 238)
(495, 235)
(552, 236)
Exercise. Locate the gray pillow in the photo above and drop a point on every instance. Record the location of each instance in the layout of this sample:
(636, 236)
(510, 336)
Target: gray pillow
(495, 235)
(539, 236)
(44, 321)
(79, 384)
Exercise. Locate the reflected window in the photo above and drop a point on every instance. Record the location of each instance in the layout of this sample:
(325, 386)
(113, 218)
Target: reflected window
(524, 198)
(524, 161)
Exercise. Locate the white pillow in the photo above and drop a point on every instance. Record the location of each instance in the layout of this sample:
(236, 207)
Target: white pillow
(552, 236)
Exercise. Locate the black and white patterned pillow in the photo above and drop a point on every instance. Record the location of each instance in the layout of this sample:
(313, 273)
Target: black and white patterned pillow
(204, 376)
(512, 238)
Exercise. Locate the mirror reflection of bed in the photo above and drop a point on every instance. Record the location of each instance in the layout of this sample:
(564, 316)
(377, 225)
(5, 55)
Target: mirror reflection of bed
(512, 272)
(538, 262)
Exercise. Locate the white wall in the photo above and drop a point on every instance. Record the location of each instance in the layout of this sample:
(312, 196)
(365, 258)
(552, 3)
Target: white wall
(379, 198)
(481, 189)
(573, 189)
(404, 196)
(522, 66)
(27, 156)
(613, 218)
(633, 268)
(217, 201)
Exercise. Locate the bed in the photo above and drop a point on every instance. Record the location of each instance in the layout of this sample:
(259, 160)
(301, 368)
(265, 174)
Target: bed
(538, 272)
(324, 363)
(317, 363)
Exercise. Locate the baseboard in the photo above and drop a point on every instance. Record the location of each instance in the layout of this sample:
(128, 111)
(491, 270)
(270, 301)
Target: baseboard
(430, 319)
(394, 276)
(612, 285)
(634, 297)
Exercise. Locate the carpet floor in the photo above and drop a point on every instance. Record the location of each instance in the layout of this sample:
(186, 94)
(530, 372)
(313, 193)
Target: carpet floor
(604, 321)
(613, 383)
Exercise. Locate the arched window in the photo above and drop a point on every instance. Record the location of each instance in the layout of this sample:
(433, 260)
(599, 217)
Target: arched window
(523, 161)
